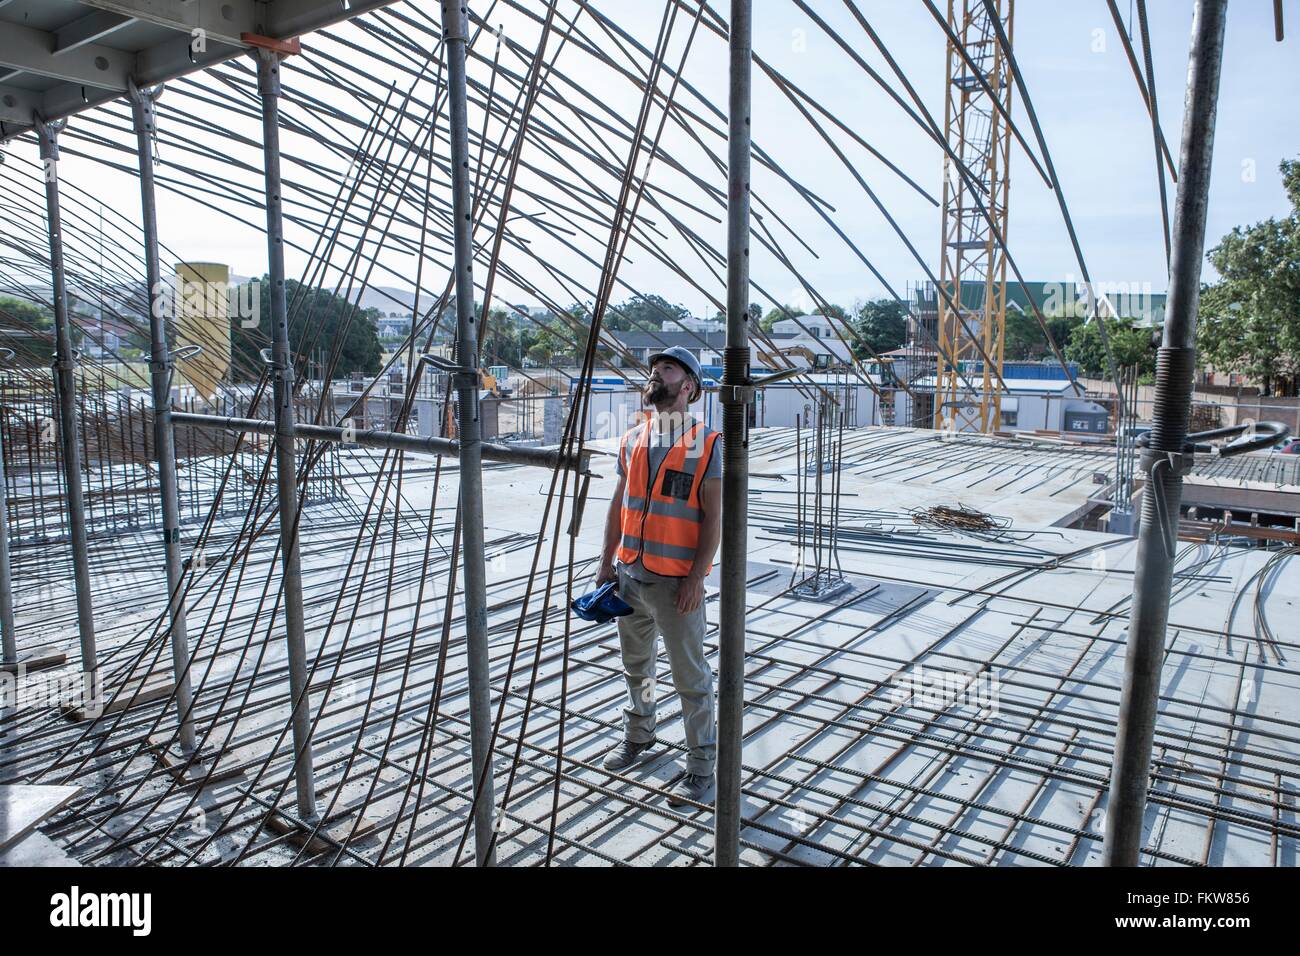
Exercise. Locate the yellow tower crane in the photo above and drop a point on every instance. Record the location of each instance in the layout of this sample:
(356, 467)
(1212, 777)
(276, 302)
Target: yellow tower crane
(972, 302)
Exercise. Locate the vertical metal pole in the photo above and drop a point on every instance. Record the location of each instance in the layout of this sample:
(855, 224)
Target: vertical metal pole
(64, 384)
(286, 465)
(7, 634)
(454, 19)
(160, 373)
(8, 638)
(738, 396)
(1164, 462)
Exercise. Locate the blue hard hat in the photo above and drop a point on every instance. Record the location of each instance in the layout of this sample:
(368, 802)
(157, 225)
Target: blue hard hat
(601, 605)
(686, 360)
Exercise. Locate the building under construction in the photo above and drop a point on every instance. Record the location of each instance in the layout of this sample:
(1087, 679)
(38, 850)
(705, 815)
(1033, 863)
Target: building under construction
(259, 610)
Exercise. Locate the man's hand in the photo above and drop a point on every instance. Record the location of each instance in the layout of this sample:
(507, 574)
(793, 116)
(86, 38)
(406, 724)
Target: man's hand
(606, 573)
(690, 593)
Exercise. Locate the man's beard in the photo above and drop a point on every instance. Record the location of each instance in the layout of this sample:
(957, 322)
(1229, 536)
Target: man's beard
(658, 393)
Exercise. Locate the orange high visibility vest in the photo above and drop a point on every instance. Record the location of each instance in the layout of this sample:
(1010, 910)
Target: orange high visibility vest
(662, 526)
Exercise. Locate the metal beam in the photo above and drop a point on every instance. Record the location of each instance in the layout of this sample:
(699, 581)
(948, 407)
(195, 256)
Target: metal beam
(177, 57)
(224, 22)
(17, 107)
(550, 458)
(91, 64)
(738, 398)
(291, 18)
(221, 22)
(88, 29)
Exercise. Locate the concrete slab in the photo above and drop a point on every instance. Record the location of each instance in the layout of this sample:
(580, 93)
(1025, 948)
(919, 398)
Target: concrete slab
(24, 806)
(36, 849)
(1041, 607)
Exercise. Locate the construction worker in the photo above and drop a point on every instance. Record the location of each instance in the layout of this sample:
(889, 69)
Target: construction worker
(661, 533)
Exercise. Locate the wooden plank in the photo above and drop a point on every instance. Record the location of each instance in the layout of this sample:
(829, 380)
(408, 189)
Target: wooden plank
(136, 692)
(36, 659)
(201, 770)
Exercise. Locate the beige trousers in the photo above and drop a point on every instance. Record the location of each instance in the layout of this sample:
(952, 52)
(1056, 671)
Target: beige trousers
(654, 613)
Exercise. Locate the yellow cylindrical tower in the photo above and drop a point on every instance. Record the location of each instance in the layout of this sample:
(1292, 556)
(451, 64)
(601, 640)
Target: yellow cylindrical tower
(203, 317)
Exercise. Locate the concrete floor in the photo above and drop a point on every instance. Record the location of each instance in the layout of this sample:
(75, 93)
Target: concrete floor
(860, 747)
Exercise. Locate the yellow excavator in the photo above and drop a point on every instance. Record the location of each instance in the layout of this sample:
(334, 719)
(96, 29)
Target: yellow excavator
(489, 383)
(771, 360)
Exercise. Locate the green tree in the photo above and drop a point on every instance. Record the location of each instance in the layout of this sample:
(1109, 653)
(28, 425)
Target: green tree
(1024, 340)
(320, 320)
(28, 329)
(27, 316)
(1249, 321)
(1129, 344)
(1061, 327)
(647, 313)
(1021, 336)
(506, 341)
(880, 324)
(553, 344)
(779, 313)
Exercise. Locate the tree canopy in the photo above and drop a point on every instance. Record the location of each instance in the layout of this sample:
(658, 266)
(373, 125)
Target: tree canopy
(1024, 340)
(320, 322)
(647, 313)
(27, 329)
(16, 313)
(777, 313)
(880, 324)
(1129, 344)
(1249, 321)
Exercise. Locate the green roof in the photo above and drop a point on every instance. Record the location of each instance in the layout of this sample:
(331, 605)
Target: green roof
(1129, 299)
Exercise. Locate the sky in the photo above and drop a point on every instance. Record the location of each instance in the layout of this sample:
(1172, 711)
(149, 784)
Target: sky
(1082, 89)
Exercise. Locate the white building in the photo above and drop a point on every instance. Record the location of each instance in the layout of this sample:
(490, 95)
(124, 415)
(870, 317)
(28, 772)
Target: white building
(614, 407)
(819, 334)
(1028, 405)
(692, 324)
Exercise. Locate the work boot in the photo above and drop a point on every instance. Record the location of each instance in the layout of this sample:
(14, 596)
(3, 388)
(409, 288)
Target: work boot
(693, 786)
(626, 754)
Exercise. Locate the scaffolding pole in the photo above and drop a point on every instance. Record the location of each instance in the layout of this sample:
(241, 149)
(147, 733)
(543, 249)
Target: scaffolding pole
(471, 449)
(548, 458)
(8, 637)
(1166, 460)
(286, 465)
(65, 367)
(160, 373)
(738, 399)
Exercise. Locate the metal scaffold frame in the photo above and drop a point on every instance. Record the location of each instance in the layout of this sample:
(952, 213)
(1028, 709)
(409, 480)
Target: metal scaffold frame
(381, 676)
(977, 107)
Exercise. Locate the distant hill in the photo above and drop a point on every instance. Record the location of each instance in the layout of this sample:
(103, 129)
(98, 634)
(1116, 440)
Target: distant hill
(386, 298)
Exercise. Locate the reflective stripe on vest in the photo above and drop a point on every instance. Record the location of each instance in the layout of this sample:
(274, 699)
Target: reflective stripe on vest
(663, 529)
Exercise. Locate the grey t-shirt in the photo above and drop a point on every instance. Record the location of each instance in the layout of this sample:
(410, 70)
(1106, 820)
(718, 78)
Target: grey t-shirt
(658, 447)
